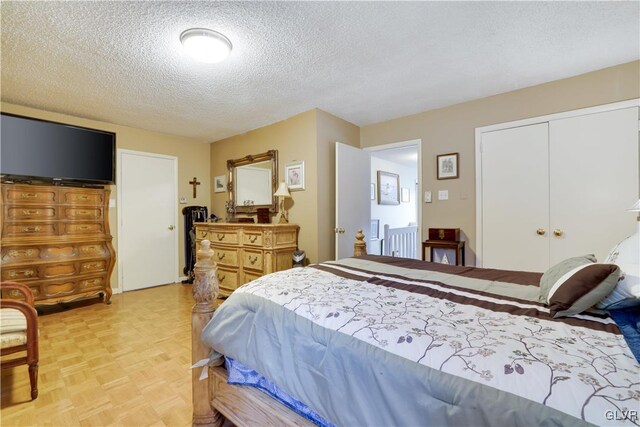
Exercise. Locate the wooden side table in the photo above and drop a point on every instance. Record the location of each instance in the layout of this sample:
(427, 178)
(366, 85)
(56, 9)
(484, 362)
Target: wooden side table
(458, 246)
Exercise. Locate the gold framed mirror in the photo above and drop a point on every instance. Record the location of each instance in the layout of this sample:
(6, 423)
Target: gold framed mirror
(252, 181)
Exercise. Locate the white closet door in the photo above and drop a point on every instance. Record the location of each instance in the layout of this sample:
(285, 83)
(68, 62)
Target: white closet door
(594, 179)
(515, 198)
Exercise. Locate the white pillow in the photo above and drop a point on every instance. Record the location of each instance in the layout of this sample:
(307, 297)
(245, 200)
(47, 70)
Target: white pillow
(625, 255)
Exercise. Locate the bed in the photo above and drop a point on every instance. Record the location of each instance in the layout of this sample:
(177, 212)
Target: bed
(388, 341)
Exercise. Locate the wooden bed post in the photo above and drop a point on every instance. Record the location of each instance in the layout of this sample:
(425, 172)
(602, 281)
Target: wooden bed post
(205, 292)
(360, 247)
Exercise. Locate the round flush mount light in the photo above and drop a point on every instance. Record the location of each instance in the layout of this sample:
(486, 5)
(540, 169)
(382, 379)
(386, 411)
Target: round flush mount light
(206, 45)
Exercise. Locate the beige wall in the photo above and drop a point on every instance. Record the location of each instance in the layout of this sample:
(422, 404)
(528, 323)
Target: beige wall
(329, 130)
(295, 140)
(309, 136)
(193, 160)
(452, 129)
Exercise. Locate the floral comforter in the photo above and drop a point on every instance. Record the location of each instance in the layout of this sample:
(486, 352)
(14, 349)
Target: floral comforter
(389, 341)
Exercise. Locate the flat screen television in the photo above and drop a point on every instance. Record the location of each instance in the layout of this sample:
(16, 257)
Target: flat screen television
(32, 149)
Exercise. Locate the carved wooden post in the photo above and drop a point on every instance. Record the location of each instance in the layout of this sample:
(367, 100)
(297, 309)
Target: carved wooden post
(360, 247)
(205, 292)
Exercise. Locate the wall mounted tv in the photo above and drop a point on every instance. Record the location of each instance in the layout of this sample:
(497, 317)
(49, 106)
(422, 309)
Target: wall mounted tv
(32, 149)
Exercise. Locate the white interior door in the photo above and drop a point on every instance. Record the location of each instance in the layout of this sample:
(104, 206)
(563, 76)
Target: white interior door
(353, 205)
(147, 219)
(515, 198)
(594, 180)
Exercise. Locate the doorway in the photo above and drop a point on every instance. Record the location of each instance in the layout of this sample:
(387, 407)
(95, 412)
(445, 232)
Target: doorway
(147, 219)
(403, 161)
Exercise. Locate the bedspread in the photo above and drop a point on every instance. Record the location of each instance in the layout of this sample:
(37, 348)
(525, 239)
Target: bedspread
(386, 341)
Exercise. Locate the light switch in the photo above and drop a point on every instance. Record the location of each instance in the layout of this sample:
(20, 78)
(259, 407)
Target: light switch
(427, 196)
(112, 203)
(443, 195)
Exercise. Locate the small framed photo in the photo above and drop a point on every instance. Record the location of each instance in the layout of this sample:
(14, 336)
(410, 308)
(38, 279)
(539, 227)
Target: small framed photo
(220, 184)
(405, 195)
(373, 191)
(388, 188)
(375, 229)
(294, 175)
(447, 166)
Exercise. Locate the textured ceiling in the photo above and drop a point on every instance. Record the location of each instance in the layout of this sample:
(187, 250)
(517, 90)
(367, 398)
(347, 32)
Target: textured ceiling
(366, 62)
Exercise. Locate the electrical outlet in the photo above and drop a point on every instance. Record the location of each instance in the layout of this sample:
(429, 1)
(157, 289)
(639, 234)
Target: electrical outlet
(443, 195)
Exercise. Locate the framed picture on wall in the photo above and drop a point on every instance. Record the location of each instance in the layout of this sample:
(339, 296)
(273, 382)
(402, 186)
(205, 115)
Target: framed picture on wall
(447, 166)
(294, 175)
(405, 195)
(388, 188)
(375, 229)
(220, 184)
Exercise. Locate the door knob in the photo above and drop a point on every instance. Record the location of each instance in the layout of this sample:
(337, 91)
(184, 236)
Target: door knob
(171, 227)
(557, 232)
(541, 231)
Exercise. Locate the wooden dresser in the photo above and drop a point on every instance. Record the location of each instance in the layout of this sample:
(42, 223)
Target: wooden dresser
(56, 240)
(244, 252)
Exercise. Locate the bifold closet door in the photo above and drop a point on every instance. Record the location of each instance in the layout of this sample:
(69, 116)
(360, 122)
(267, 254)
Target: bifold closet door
(515, 198)
(594, 180)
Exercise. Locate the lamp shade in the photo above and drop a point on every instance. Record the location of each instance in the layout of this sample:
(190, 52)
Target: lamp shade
(282, 191)
(635, 208)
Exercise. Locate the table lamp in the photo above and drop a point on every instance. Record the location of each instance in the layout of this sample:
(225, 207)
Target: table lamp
(282, 193)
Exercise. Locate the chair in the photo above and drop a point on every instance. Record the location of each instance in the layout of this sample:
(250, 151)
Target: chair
(19, 331)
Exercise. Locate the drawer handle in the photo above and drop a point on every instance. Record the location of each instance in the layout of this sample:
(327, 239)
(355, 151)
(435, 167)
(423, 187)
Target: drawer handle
(25, 273)
(30, 212)
(221, 278)
(252, 239)
(29, 195)
(84, 212)
(31, 229)
(84, 227)
(21, 252)
(220, 237)
(91, 265)
(84, 197)
(221, 256)
(253, 259)
(203, 234)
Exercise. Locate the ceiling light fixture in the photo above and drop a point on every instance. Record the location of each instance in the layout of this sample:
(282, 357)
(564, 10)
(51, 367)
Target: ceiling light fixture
(206, 45)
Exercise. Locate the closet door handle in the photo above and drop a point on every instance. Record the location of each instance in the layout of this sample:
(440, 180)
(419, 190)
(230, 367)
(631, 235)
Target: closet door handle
(557, 232)
(541, 231)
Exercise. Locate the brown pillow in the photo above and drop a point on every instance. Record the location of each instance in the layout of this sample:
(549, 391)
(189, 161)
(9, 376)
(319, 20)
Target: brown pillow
(577, 284)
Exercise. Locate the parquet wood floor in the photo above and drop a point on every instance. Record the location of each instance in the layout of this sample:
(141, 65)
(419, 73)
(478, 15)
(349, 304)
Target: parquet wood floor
(126, 364)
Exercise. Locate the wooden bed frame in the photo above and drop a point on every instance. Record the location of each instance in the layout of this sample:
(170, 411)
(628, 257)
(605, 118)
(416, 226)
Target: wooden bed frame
(213, 399)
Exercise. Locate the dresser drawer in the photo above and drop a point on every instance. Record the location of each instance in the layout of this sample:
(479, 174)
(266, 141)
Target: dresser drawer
(14, 294)
(14, 213)
(14, 195)
(249, 276)
(227, 279)
(250, 238)
(19, 273)
(79, 228)
(95, 249)
(59, 252)
(82, 213)
(82, 197)
(39, 229)
(230, 237)
(14, 255)
(226, 256)
(93, 266)
(92, 284)
(252, 260)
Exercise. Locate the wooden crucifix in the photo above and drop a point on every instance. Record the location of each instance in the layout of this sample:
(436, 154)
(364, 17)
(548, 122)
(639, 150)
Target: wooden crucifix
(195, 183)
